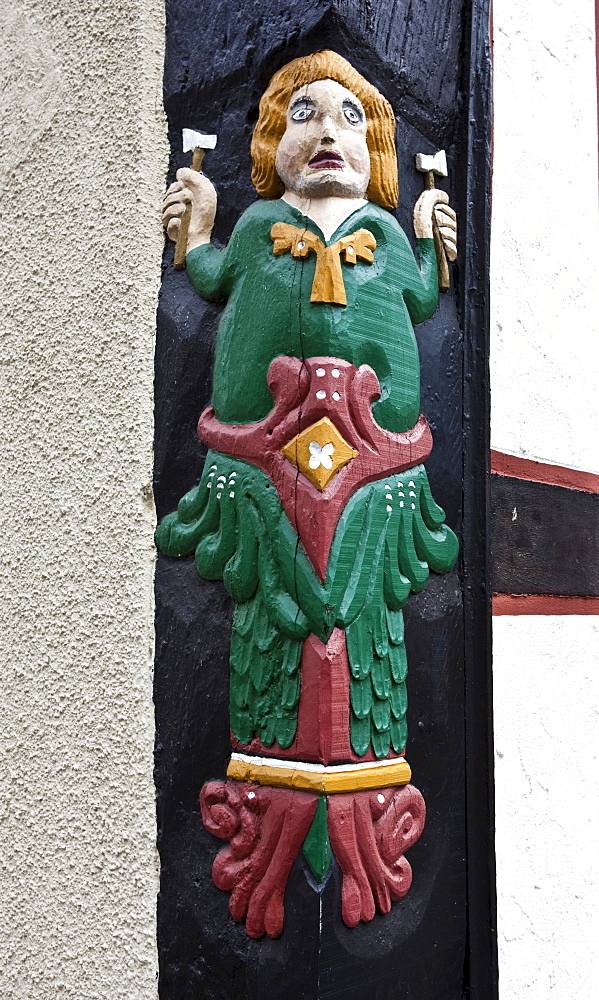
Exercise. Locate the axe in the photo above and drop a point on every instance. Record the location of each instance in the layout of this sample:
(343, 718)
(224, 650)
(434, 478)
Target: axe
(429, 166)
(200, 143)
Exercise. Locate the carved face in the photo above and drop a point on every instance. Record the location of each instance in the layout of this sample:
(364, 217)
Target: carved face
(323, 151)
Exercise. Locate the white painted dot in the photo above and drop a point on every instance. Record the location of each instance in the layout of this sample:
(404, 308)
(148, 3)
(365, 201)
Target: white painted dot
(411, 483)
(251, 795)
(411, 493)
(387, 487)
(231, 494)
(232, 474)
(400, 494)
(301, 245)
(221, 479)
(401, 503)
(336, 397)
(218, 496)
(389, 509)
(389, 496)
(350, 249)
(320, 372)
(213, 466)
(208, 486)
(413, 506)
(380, 798)
(211, 474)
(335, 373)
(321, 394)
(400, 486)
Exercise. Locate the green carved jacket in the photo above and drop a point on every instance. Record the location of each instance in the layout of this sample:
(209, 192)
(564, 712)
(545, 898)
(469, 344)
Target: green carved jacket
(240, 533)
(269, 313)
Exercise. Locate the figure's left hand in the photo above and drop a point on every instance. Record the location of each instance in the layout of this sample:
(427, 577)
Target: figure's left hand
(448, 227)
(435, 203)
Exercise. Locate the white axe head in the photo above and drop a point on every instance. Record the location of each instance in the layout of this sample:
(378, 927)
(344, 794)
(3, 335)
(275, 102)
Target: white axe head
(197, 140)
(436, 164)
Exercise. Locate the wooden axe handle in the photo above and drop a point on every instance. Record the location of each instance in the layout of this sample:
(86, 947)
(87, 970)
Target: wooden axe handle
(181, 245)
(442, 265)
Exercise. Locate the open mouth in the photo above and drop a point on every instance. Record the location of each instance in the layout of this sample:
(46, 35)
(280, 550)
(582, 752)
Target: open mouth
(327, 159)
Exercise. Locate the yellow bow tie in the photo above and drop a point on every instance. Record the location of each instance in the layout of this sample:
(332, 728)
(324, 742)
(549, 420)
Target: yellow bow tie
(327, 285)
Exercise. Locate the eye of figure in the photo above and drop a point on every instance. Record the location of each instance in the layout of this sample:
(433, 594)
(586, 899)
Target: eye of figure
(301, 111)
(352, 113)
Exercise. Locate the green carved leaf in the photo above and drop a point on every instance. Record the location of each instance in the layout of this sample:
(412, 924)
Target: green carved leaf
(437, 548)
(381, 742)
(360, 735)
(317, 846)
(290, 689)
(265, 677)
(381, 676)
(433, 515)
(361, 697)
(359, 651)
(399, 734)
(395, 627)
(398, 698)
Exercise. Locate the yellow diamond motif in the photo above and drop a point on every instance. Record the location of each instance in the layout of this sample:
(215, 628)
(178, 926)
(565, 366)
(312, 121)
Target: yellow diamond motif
(319, 452)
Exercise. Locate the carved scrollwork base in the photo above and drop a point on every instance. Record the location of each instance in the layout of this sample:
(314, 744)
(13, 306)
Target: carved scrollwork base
(369, 833)
(266, 827)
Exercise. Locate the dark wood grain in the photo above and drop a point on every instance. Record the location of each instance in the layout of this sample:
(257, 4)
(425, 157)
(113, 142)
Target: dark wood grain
(545, 538)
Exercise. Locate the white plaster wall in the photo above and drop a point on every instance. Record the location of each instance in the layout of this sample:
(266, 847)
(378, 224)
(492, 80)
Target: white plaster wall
(544, 352)
(82, 159)
(546, 688)
(544, 246)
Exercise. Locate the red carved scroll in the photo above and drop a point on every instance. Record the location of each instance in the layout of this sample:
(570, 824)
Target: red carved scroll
(369, 833)
(266, 828)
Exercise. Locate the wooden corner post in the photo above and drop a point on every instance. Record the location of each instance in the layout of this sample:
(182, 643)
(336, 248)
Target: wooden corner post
(312, 722)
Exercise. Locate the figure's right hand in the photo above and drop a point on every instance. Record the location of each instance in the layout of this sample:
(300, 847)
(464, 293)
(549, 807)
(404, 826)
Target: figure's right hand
(192, 188)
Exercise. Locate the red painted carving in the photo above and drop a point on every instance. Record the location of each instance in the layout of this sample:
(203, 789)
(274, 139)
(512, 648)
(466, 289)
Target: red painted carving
(323, 734)
(323, 715)
(369, 833)
(266, 828)
(301, 397)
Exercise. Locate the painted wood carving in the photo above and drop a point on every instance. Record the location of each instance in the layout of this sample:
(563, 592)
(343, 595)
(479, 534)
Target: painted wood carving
(314, 507)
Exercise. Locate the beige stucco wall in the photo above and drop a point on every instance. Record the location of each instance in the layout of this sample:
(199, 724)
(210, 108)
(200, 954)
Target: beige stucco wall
(82, 161)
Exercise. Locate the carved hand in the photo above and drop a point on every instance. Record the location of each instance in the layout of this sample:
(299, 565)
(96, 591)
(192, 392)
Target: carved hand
(195, 188)
(435, 202)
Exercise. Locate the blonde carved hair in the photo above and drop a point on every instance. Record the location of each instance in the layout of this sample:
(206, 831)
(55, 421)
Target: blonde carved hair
(272, 122)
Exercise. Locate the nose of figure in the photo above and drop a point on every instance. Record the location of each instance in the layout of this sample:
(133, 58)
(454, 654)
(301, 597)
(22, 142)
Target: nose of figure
(328, 132)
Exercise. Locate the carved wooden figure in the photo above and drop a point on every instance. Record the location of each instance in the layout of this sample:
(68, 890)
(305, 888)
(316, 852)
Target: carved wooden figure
(314, 506)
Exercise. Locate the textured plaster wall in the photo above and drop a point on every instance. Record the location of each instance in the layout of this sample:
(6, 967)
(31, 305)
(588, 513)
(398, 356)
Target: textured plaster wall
(544, 247)
(82, 158)
(544, 327)
(546, 687)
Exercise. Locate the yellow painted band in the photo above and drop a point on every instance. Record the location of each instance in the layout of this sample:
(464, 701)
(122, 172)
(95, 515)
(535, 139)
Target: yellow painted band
(321, 782)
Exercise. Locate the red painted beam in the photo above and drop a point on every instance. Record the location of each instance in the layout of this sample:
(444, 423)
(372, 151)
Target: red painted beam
(544, 604)
(540, 472)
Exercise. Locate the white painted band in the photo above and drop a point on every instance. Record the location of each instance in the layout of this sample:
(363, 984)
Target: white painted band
(316, 768)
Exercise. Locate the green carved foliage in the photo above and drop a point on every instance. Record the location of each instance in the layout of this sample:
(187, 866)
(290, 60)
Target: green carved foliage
(265, 677)
(317, 846)
(388, 537)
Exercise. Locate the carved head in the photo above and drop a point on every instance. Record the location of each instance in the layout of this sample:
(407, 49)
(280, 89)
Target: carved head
(323, 150)
(305, 100)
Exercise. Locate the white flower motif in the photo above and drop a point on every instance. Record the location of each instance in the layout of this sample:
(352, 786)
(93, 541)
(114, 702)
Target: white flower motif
(321, 455)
